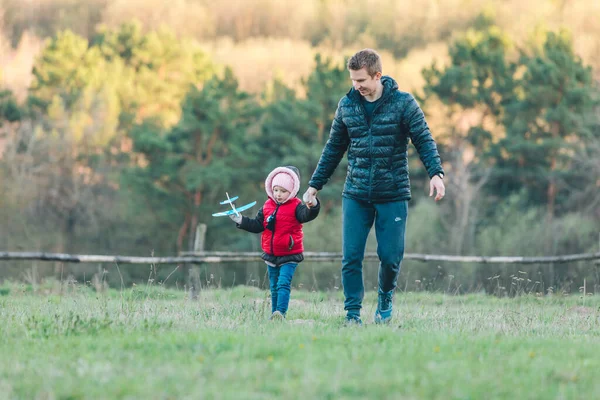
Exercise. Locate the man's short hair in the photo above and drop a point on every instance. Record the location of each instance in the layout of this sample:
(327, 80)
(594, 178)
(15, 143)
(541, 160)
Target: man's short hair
(367, 58)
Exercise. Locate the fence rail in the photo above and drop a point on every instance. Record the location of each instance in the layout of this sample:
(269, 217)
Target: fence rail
(226, 256)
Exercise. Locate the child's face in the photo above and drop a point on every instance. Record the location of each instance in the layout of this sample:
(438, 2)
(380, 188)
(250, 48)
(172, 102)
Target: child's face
(280, 194)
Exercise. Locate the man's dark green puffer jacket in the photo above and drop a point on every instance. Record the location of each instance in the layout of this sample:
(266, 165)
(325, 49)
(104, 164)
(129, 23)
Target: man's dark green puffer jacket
(377, 152)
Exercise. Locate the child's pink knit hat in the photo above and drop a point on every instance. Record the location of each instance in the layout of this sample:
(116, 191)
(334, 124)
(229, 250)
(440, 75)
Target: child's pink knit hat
(284, 177)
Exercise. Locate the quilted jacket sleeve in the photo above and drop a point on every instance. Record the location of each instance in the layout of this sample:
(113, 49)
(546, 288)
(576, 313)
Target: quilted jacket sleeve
(419, 133)
(332, 154)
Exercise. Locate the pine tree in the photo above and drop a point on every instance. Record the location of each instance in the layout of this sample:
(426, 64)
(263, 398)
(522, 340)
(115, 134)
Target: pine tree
(201, 157)
(546, 121)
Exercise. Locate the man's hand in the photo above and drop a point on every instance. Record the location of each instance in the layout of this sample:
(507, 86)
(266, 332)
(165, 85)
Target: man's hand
(438, 184)
(310, 197)
(236, 218)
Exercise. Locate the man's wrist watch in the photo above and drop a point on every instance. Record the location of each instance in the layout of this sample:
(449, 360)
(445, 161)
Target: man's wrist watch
(440, 174)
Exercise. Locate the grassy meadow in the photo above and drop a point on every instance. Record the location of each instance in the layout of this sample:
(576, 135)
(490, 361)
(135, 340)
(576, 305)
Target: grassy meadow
(67, 341)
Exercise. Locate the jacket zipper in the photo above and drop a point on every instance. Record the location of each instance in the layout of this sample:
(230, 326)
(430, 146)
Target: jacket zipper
(369, 125)
(369, 122)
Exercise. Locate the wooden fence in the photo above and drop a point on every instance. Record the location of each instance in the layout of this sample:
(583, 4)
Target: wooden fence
(226, 256)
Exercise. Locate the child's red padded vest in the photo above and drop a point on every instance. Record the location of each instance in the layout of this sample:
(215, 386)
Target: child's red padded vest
(287, 238)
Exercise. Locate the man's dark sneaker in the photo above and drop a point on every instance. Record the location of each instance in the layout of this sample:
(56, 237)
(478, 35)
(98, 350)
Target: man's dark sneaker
(383, 314)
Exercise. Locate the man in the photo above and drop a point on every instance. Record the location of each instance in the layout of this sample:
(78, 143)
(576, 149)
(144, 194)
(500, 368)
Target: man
(374, 122)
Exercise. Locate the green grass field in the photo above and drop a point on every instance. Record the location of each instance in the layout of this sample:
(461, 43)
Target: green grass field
(150, 343)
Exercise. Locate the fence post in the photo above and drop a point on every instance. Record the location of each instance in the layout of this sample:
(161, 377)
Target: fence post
(199, 241)
(200, 238)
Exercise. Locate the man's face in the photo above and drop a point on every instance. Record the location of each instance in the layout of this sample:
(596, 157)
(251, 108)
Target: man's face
(363, 82)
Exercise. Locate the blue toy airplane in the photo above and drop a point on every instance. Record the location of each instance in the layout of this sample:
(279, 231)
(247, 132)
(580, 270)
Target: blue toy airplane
(234, 210)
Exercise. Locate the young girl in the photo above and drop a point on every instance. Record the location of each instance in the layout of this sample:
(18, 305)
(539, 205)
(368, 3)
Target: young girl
(280, 221)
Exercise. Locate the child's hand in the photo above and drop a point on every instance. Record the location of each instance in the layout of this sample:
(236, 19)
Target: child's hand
(236, 218)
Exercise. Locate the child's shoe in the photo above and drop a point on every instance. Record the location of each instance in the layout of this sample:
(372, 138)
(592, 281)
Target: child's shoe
(352, 320)
(277, 316)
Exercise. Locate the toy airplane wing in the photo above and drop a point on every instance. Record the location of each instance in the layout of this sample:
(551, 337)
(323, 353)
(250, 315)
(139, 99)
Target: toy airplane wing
(238, 209)
(229, 201)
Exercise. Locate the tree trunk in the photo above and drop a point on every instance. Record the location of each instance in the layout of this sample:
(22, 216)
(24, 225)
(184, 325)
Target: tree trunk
(551, 192)
(181, 234)
(185, 267)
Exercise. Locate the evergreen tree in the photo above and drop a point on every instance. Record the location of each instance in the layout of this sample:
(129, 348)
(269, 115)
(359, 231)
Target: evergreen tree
(200, 158)
(546, 121)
